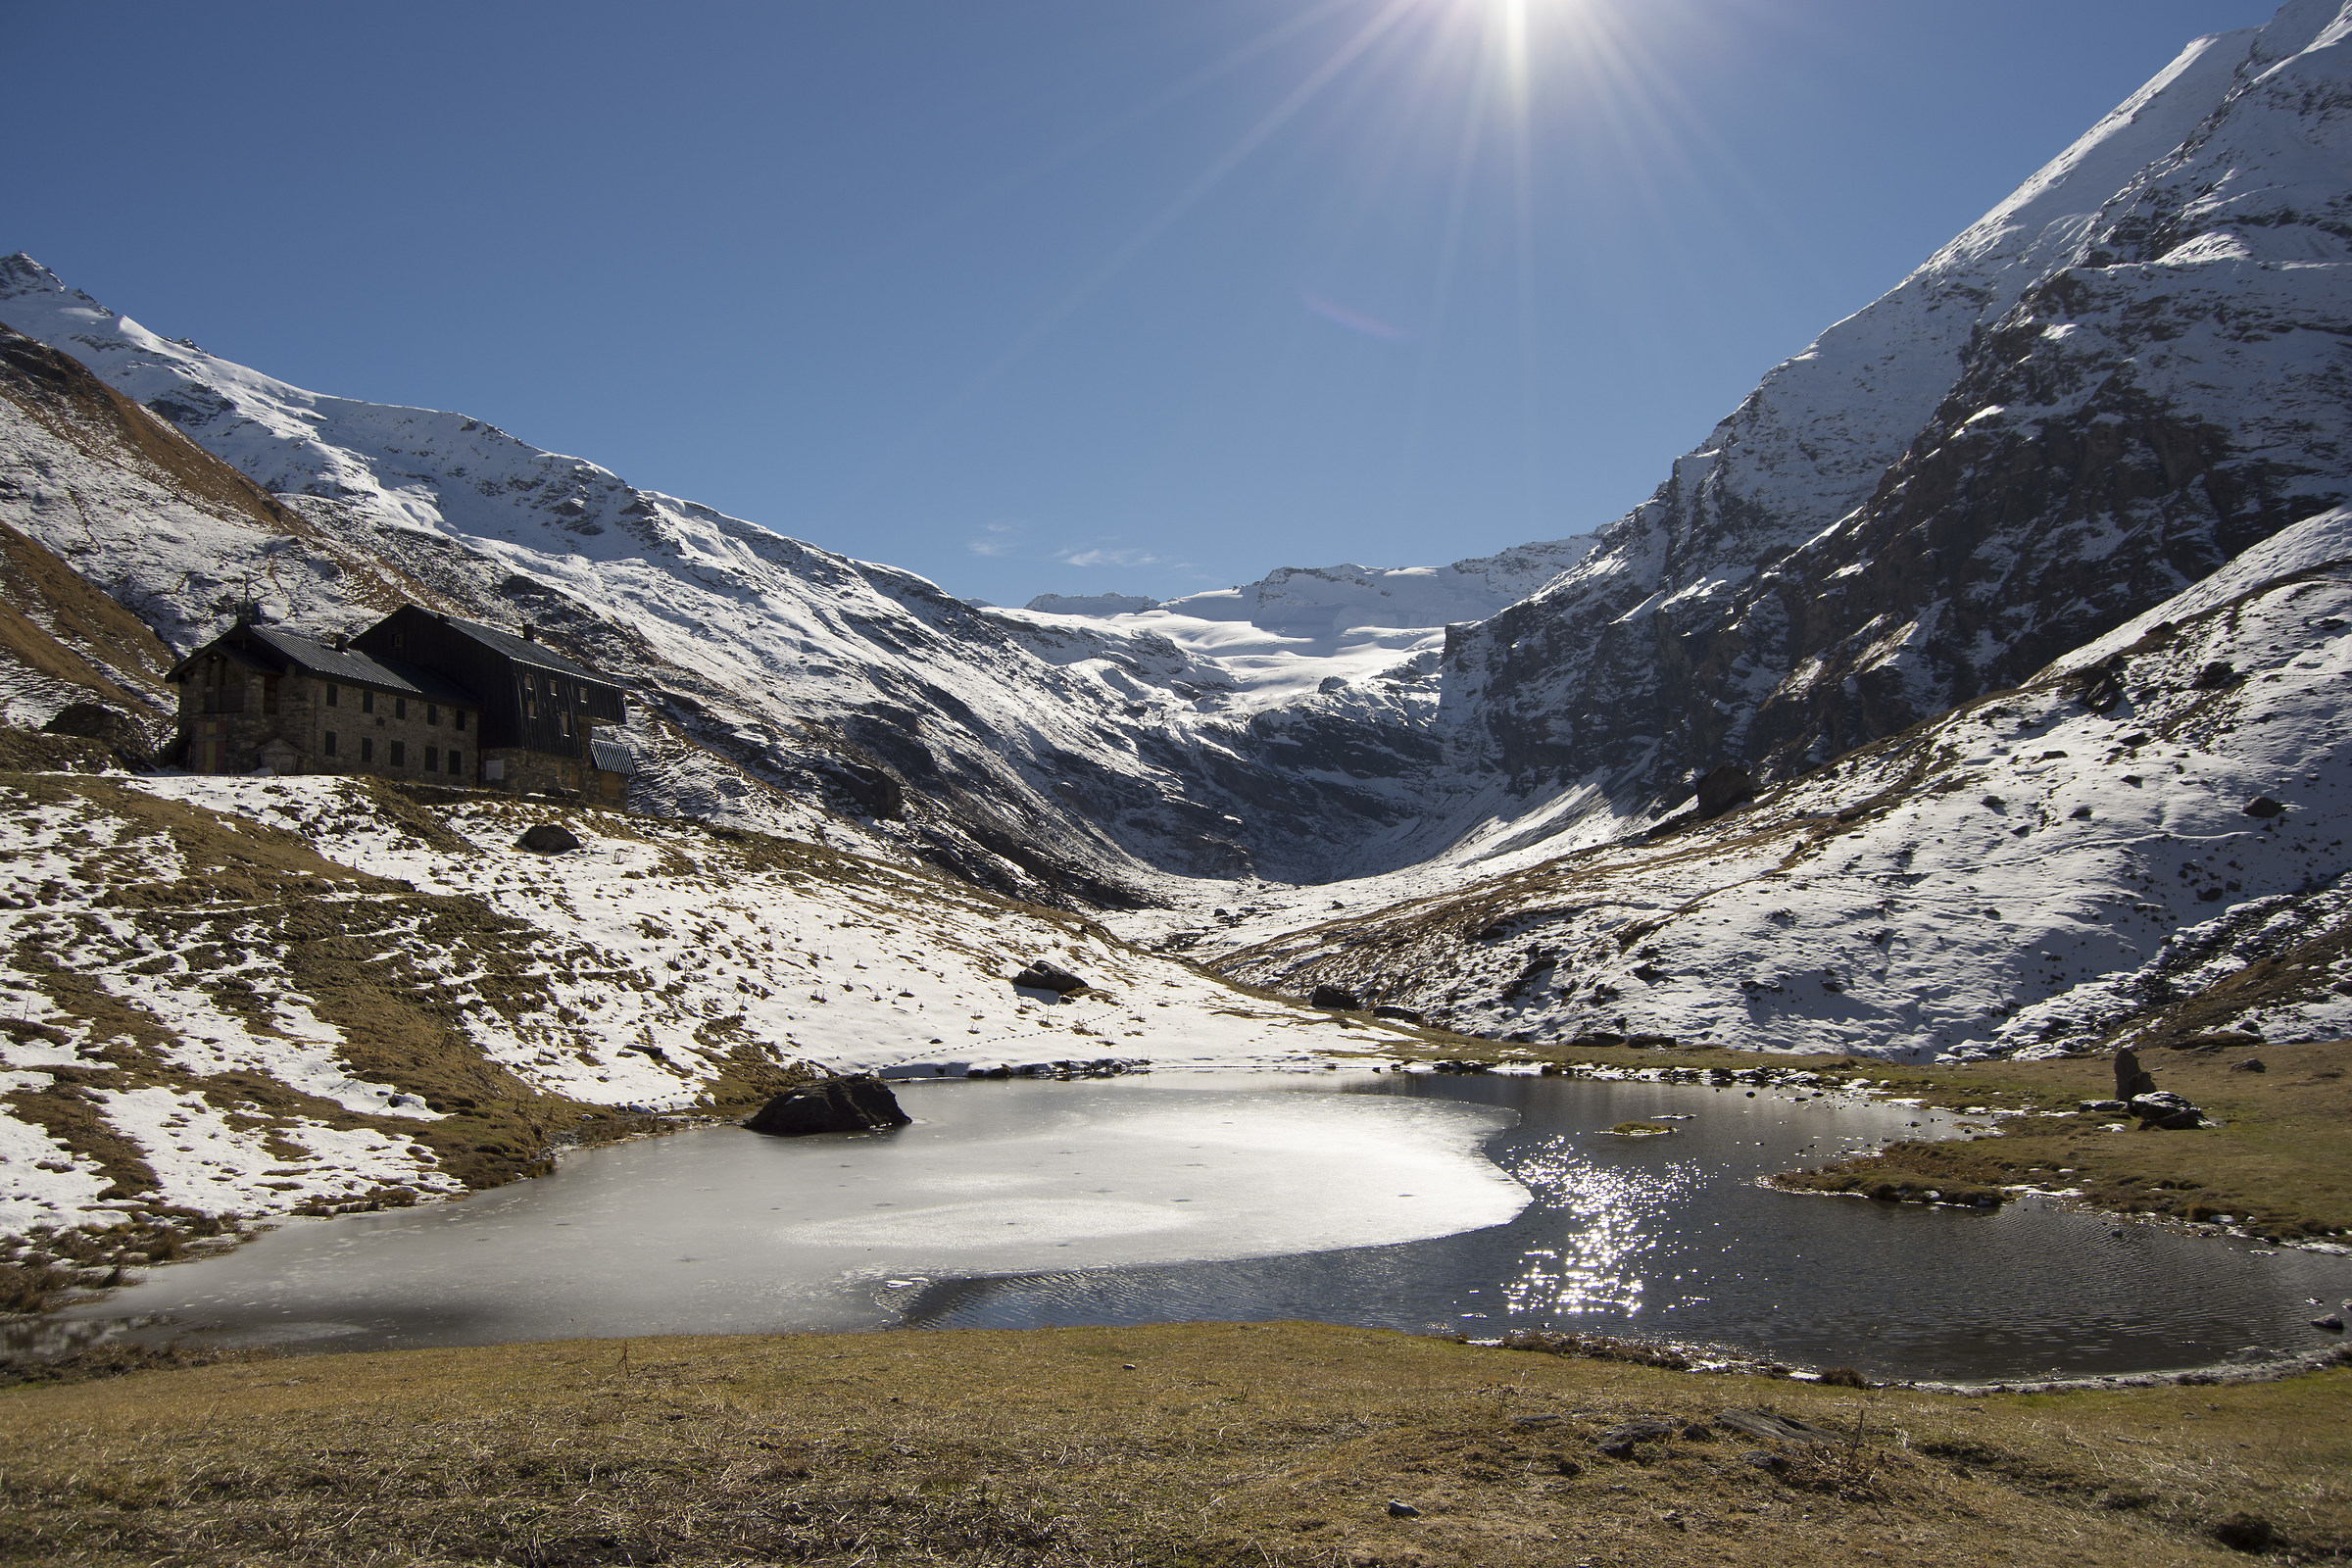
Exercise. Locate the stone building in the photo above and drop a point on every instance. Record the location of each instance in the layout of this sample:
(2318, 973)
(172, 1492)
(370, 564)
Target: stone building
(417, 696)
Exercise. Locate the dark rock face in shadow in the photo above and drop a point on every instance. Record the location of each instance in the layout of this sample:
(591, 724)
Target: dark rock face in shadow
(852, 1104)
(96, 721)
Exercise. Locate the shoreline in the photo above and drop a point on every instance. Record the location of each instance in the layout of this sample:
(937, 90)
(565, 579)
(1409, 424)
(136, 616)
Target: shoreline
(1713, 1357)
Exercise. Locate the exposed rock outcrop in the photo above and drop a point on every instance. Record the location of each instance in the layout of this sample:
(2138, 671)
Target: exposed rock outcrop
(1043, 976)
(859, 1104)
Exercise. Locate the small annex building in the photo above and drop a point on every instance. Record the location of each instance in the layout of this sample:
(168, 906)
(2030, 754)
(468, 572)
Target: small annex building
(419, 695)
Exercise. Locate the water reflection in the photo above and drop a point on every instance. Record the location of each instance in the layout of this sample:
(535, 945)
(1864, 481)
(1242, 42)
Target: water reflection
(1607, 1220)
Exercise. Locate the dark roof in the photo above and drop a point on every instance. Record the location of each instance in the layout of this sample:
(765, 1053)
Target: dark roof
(346, 664)
(522, 650)
(610, 757)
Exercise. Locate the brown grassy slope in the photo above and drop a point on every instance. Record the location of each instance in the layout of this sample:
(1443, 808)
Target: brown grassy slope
(54, 621)
(1265, 1444)
(358, 946)
(61, 397)
(58, 392)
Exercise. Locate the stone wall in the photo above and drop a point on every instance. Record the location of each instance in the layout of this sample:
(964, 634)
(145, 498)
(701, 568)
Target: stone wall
(370, 729)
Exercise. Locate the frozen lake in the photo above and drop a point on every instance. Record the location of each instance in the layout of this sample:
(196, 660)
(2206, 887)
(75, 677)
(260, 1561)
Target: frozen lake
(1477, 1203)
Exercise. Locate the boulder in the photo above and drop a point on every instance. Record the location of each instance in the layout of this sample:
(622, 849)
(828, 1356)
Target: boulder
(2131, 1079)
(1724, 788)
(1338, 998)
(1618, 1441)
(849, 1104)
(1044, 976)
(1774, 1428)
(2163, 1111)
(1401, 1016)
(2217, 676)
(549, 838)
(2250, 1064)
(2220, 1040)
(96, 721)
(2264, 806)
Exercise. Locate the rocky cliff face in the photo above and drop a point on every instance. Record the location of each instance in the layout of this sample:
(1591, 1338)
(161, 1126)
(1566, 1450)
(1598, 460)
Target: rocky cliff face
(2127, 373)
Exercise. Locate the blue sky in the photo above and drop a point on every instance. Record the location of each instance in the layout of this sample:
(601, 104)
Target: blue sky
(1052, 295)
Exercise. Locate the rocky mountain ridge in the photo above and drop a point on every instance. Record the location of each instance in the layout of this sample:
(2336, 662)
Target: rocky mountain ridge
(2127, 372)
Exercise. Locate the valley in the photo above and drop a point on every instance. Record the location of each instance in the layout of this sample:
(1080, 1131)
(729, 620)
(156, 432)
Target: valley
(1969, 704)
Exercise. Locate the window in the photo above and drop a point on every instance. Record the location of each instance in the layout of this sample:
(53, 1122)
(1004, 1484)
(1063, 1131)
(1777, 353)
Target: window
(399, 754)
(453, 758)
(456, 720)
(366, 701)
(330, 738)
(564, 722)
(334, 696)
(367, 748)
(432, 713)
(432, 758)
(400, 708)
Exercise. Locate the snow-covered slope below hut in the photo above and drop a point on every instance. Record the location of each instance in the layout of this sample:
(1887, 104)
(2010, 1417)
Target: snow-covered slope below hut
(250, 996)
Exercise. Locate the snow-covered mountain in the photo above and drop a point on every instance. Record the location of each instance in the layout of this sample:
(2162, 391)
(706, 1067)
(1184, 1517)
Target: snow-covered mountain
(2143, 843)
(804, 680)
(1296, 632)
(2128, 371)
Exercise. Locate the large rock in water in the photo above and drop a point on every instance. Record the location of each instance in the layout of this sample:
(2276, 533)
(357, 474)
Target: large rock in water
(852, 1104)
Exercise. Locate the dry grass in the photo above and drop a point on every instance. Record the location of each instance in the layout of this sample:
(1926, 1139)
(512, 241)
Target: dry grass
(2281, 1164)
(1195, 1445)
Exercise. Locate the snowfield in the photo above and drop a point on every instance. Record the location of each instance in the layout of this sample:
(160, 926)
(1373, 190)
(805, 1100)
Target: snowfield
(638, 970)
(2021, 875)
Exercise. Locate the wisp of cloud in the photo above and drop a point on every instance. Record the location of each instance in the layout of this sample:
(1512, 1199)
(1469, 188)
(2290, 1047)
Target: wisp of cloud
(1354, 320)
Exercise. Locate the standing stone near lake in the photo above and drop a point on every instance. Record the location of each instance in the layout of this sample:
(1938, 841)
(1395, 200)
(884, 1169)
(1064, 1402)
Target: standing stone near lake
(852, 1104)
(2131, 1080)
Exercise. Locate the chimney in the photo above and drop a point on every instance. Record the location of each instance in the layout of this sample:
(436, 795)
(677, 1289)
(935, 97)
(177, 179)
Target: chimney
(342, 642)
(530, 633)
